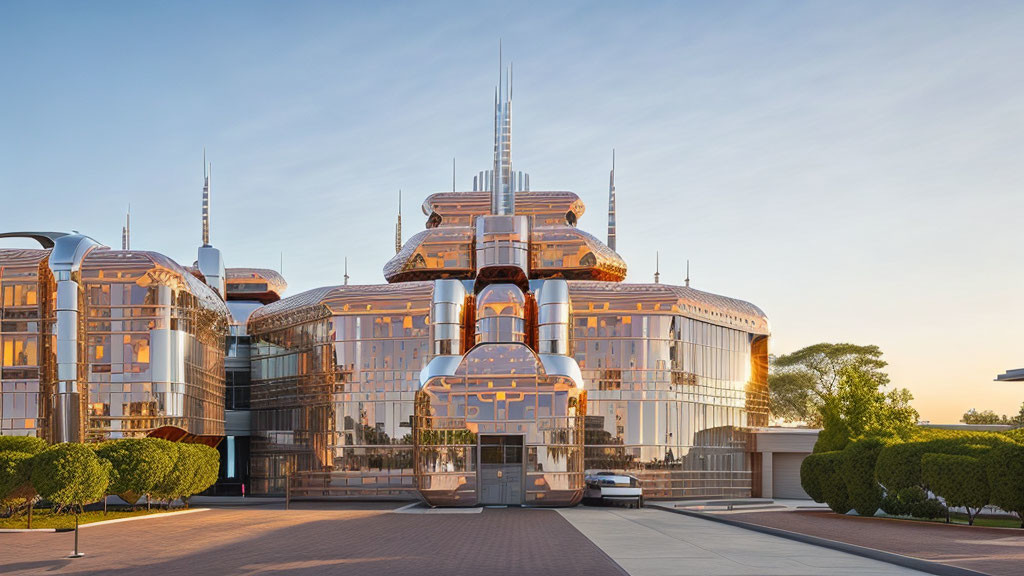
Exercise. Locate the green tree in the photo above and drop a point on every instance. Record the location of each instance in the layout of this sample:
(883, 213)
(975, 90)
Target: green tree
(858, 472)
(195, 469)
(801, 382)
(16, 480)
(26, 444)
(972, 416)
(959, 480)
(899, 463)
(1004, 465)
(821, 476)
(912, 501)
(859, 408)
(137, 465)
(70, 474)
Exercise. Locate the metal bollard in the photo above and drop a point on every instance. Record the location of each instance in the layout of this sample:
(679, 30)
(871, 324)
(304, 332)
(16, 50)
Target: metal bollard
(76, 553)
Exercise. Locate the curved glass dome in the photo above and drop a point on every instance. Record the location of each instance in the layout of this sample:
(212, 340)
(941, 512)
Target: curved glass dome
(500, 314)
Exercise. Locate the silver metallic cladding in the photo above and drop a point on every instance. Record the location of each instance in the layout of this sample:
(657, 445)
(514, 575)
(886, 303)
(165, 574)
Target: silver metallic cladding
(446, 313)
(553, 317)
(65, 261)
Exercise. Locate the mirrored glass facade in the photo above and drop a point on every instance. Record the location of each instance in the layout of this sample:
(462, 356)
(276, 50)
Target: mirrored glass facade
(334, 375)
(661, 381)
(149, 343)
(26, 315)
(671, 389)
(503, 358)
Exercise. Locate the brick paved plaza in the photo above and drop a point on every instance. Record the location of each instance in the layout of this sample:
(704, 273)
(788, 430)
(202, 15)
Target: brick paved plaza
(330, 539)
(997, 551)
(260, 537)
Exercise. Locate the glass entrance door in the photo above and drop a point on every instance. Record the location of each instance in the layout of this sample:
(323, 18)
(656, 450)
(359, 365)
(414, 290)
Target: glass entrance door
(501, 470)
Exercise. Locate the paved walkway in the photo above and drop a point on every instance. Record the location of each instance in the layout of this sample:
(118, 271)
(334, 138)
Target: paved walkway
(997, 551)
(651, 542)
(323, 538)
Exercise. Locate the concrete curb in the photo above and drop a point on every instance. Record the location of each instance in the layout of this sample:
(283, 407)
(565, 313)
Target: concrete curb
(889, 557)
(102, 522)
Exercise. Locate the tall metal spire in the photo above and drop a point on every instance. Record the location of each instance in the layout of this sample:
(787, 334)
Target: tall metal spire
(611, 204)
(207, 173)
(346, 271)
(502, 187)
(126, 230)
(398, 225)
(657, 268)
(687, 273)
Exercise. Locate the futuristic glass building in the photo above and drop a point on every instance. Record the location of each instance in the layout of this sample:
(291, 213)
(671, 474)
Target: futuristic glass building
(503, 357)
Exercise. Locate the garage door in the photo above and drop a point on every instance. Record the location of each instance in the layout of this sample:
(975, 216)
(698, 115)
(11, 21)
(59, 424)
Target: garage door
(786, 475)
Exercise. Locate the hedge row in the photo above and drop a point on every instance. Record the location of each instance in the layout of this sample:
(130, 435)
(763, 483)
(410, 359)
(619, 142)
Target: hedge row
(73, 475)
(968, 469)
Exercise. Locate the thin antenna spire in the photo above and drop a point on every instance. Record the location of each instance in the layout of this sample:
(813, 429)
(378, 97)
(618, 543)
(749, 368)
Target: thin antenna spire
(611, 204)
(687, 272)
(502, 184)
(207, 174)
(126, 230)
(398, 225)
(346, 271)
(657, 268)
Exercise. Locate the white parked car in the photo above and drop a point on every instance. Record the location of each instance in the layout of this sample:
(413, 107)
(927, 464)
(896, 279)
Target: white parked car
(604, 487)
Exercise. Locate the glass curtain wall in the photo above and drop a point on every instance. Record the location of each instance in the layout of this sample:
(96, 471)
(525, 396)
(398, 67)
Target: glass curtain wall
(669, 395)
(26, 313)
(335, 372)
(154, 347)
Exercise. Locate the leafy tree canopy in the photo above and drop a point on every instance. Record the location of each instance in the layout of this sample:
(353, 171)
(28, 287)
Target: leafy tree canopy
(26, 444)
(840, 387)
(70, 474)
(802, 381)
(138, 465)
(972, 416)
(15, 475)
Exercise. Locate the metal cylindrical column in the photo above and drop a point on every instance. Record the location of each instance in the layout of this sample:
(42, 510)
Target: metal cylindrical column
(65, 262)
(67, 400)
(553, 317)
(446, 317)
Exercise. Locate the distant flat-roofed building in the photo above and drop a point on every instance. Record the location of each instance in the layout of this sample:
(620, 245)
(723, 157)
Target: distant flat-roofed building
(1016, 375)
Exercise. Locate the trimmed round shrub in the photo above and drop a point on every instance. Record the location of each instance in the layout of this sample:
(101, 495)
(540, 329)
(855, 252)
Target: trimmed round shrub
(899, 464)
(70, 474)
(812, 470)
(26, 444)
(137, 465)
(959, 480)
(858, 472)
(927, 508)
(1004, 466)
(1017, 435)
(15, 477)
(821, 477)
(912, 501)
(195, 469)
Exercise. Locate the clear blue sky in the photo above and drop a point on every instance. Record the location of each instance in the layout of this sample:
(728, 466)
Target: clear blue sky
(855, 170)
